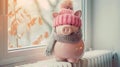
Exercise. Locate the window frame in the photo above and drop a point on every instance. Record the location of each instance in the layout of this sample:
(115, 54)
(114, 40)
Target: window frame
(25, 54)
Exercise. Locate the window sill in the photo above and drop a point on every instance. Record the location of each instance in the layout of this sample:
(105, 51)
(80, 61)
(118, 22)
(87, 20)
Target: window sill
(24, 55)
(30, 61)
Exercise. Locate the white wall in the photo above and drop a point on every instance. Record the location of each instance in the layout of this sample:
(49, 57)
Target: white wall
(106, 25)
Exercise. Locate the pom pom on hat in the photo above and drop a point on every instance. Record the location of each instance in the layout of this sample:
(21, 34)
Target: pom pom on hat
(67, 4)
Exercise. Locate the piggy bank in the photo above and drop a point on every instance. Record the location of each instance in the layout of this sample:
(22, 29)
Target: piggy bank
(66, 41)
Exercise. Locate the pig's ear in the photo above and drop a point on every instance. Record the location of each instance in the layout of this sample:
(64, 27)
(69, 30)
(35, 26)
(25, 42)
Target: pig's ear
(55, 14)
(78, 13)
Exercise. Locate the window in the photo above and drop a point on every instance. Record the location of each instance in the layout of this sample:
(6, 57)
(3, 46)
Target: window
(27, 27)
(24, 28)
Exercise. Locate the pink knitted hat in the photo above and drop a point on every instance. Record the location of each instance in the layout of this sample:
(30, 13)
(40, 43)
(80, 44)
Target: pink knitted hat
(67, 17)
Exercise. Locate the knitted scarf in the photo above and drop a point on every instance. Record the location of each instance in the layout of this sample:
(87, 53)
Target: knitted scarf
(72, 38)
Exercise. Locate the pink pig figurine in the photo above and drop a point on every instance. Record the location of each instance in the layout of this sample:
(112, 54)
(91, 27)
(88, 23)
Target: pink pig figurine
(66, 42)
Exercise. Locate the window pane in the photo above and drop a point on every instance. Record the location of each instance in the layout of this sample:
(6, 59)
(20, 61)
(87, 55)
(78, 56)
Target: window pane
(30, 21)
(26, 26)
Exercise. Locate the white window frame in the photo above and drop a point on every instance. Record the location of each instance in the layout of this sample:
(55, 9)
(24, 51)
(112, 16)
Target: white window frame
(24, 54)
(87, 26)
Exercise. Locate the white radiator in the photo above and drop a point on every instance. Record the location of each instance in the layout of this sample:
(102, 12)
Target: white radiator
(95, 58)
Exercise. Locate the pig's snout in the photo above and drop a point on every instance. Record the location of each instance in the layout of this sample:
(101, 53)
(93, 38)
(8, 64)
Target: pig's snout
(67, 30)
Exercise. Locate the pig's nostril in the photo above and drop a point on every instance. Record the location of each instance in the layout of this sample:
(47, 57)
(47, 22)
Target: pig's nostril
(66, 30)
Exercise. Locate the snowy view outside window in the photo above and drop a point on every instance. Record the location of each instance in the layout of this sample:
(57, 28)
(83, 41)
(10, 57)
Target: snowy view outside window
(30, 21)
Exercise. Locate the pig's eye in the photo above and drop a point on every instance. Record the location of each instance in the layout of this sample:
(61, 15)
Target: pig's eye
(71, 8)
(71, 24)
(72, 33)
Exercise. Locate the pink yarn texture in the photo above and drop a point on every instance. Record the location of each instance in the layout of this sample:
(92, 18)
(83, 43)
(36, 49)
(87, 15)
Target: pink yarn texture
(67, 17)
